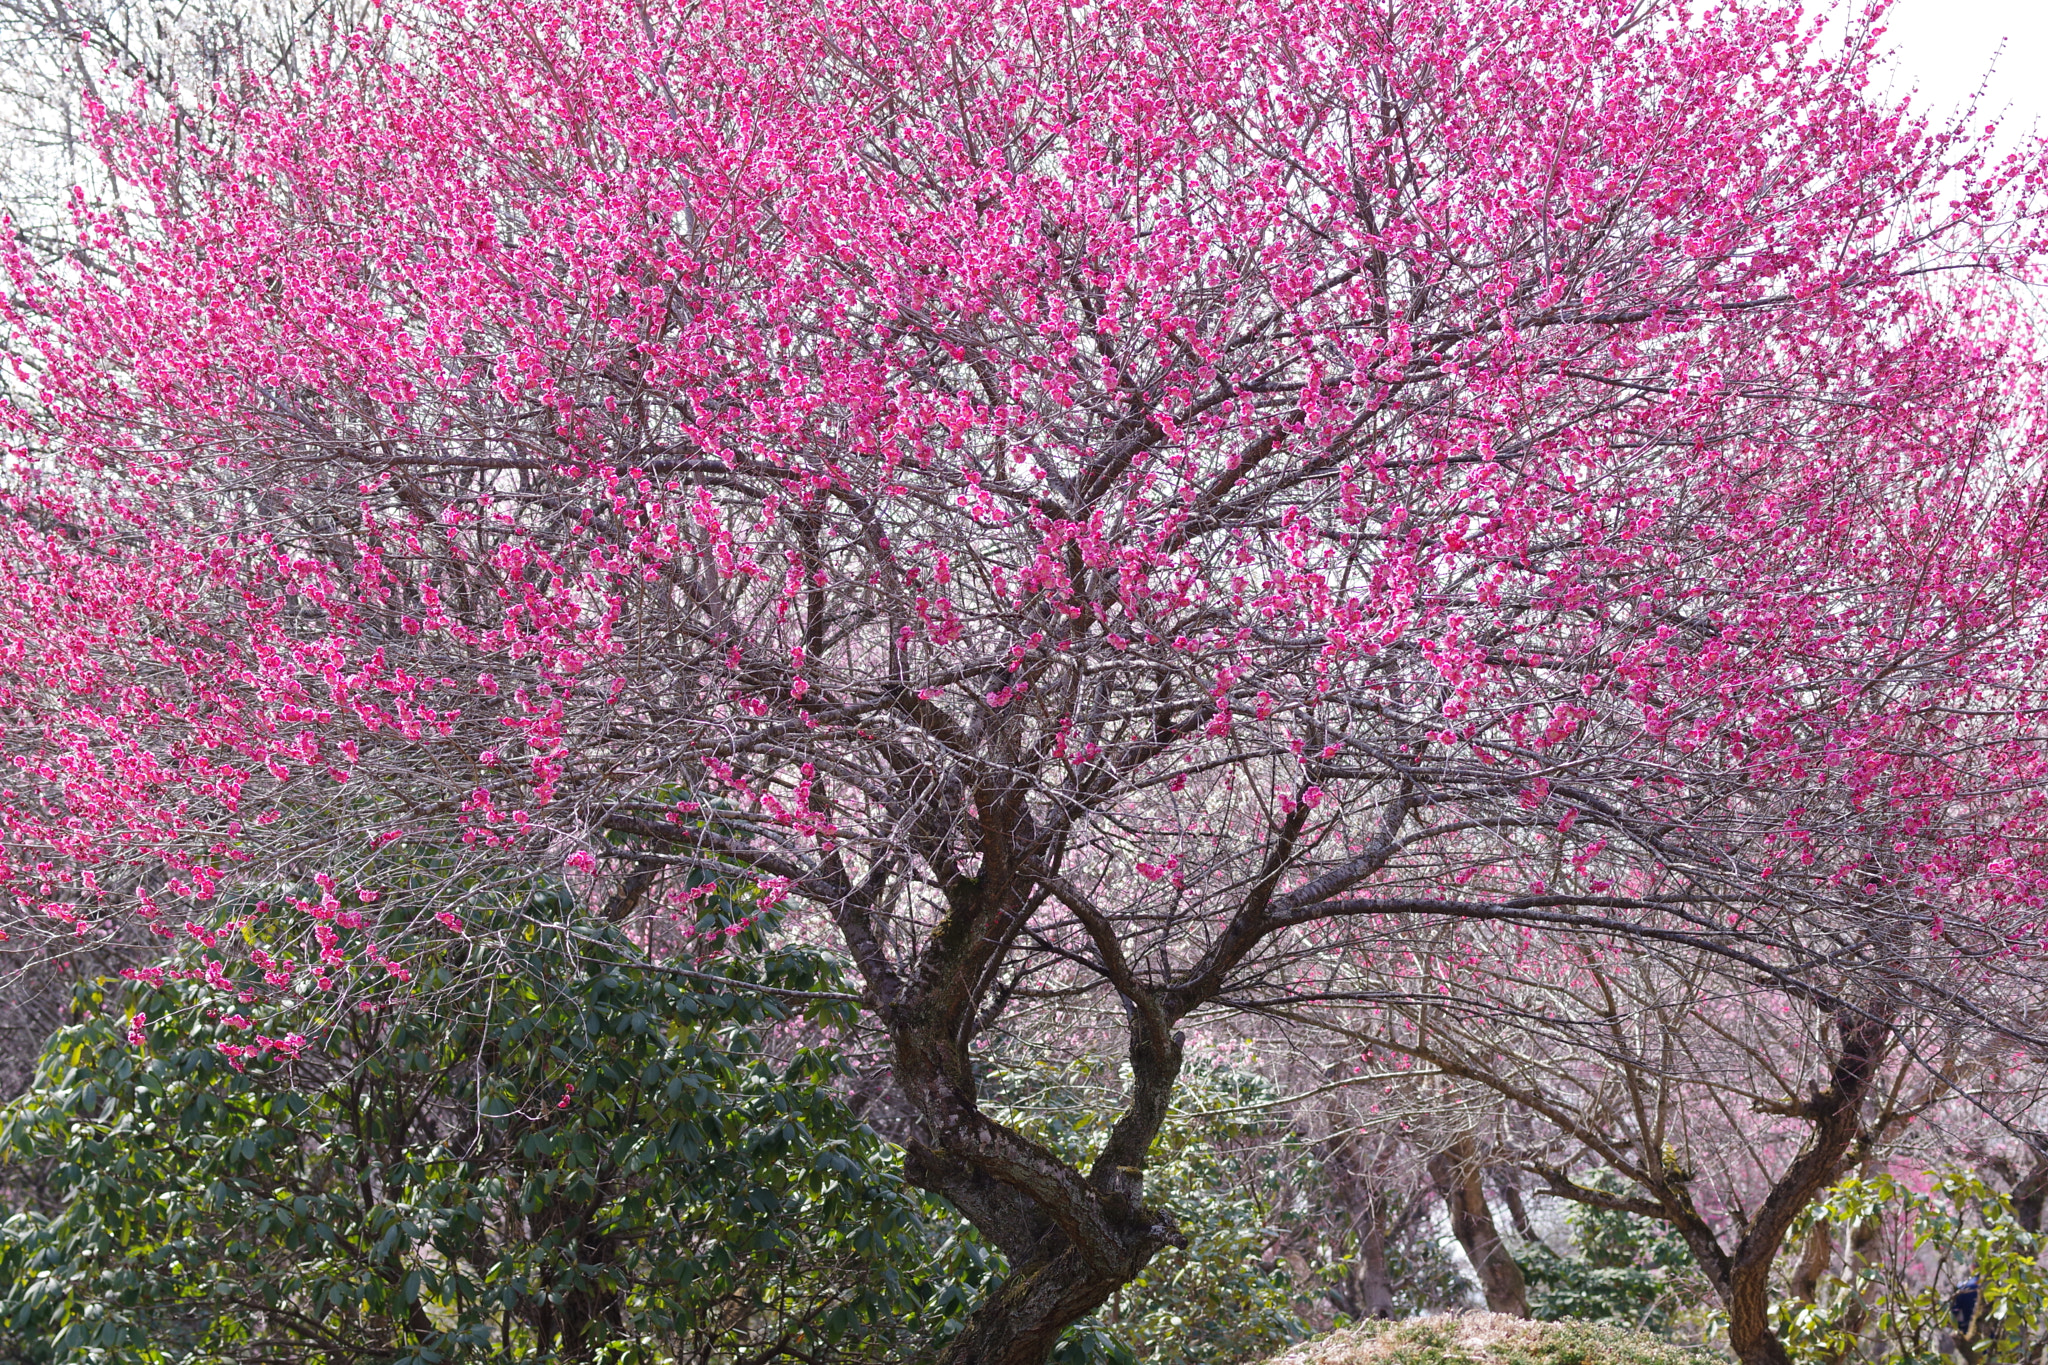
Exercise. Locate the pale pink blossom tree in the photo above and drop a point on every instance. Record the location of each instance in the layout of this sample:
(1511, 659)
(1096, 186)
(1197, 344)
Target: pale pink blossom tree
(1148, 495)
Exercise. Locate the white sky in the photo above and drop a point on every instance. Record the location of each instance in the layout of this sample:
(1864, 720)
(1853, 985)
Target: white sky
(1945, 47)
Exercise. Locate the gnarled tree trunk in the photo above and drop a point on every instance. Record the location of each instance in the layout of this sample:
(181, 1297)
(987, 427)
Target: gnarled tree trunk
(1071, 1238)
(1741, 1277)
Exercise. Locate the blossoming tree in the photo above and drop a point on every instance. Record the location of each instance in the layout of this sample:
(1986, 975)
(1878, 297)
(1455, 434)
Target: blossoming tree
(1148, 499)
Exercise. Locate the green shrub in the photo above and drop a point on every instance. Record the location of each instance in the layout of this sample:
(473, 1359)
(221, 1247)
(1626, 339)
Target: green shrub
(1889, 1304)
(1627, 1270)
(542, 1147)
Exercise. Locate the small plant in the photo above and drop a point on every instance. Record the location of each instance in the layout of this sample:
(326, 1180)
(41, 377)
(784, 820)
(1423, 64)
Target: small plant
(1489, 1339)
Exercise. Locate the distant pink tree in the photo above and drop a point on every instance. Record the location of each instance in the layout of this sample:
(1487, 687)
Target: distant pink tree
(1153, 498)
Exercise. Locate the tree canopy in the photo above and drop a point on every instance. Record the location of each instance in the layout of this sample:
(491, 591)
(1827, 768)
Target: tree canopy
(1222, 509)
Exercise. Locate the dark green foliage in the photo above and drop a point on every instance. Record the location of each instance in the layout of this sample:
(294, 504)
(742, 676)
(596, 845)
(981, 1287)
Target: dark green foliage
(1626, 1270)
(541, 1148)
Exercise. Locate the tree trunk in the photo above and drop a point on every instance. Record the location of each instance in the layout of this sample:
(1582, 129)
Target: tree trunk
(1813, 1262)
(1741, 1278)
(1836, 1114)
(1071, 1239)
(1518, 1212)
(2029, 1195)
(1375, 1290)
(1749, 1324)
(1863, 1244)
(1022, 1319)
(1355, 1178)
(1069, 1248)
(1457, 1172)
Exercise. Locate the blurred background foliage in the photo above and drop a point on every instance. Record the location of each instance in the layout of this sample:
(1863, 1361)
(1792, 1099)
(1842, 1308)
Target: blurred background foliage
(1620, 1268)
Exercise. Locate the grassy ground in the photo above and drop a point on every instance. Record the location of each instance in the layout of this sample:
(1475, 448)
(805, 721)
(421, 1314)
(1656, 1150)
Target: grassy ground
(1488, 1339)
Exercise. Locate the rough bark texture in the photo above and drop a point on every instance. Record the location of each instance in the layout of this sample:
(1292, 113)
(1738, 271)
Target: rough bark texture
(1813, 1262)
(1457, 1173)
(1071, 1238)
(2029, 1194)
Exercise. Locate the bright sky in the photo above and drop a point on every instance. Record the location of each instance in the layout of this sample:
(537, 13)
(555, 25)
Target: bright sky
(1946, 47)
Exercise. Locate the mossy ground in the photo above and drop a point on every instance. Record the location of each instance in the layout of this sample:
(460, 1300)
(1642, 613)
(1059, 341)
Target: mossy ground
(1489, 1339)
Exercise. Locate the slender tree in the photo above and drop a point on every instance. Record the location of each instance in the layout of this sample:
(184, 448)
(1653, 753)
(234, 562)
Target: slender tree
(1155, 496)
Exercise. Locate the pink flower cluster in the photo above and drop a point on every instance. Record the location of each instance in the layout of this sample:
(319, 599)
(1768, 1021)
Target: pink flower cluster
(1223, 423)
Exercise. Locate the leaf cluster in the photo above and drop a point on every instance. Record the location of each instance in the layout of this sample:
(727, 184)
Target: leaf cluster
(1913, 1253)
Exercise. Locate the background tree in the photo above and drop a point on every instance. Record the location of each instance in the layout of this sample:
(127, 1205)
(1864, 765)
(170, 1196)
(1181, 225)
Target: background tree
(1159, 501)
(1695, 1085)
